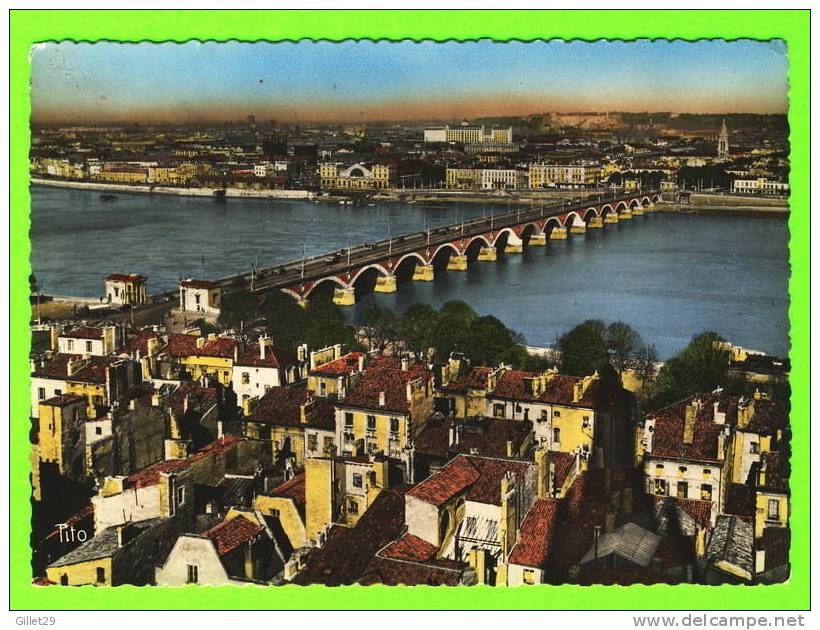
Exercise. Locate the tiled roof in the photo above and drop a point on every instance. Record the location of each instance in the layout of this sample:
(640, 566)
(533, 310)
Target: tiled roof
(667, 439)
(411, 548)
(768, 417)
(777, 471)
(274, 357)
(228, 535)
(488, 435)
(732, 541)
(185, 346)
(119, 277)
(281, 406)
(198, 398)
(740, 500)
(94, 370)
(62, 401)
(699, 511)
(150, 475)
(84, 332)
(293, 489)
(480, 477)
(347, 552)
(536, 536)
(558, 389)
(342, 366)
(366, 393)
(104, 544)
(562, 464)
(180, 345)
(476, 378)
(56, 368)
(456, 477)
(392, 573)
(140, 342)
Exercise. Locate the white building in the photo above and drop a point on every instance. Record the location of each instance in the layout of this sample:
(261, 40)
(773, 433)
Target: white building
(87, 340)
(468, 134)
(501, 179)
(200, 296)
(260, 367)
(759, 186)
(125, 289)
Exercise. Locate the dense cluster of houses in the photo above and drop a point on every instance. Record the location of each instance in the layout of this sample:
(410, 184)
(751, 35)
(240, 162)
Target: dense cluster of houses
(181, 458)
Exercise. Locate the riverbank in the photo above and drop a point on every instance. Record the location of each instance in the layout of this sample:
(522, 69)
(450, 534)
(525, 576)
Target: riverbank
(173, 191)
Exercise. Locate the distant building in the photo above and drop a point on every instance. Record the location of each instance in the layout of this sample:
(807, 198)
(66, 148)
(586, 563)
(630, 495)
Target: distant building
(723, 142)
(360, 176)
(125, 289)
(485, 178)
(551, 175)
(200, 296)
(468, 134)
(759, 186)
(88, 340)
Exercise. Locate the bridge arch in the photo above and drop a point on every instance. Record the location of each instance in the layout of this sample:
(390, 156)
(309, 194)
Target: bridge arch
(607, 209)
(528, 231)
(655, 198)
(645, 201)
(295, 295)
(474, 246)
(590, 213)
(573, 218)
(504, 234)
(634, 203)
(324, 281)
(411, 255)
(551, 224)
(621, 205)
(453, 250)
(481, 238)
(378, 267)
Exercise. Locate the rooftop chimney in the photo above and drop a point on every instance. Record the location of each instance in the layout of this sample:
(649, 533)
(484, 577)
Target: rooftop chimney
(381, 399)
(405, 364)
(200, 342)
(361, 362)
(690, 416)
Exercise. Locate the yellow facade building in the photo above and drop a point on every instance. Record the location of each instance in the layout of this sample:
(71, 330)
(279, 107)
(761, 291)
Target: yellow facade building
(360, 176)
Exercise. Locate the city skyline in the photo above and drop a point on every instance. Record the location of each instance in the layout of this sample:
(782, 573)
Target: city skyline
(379, 81)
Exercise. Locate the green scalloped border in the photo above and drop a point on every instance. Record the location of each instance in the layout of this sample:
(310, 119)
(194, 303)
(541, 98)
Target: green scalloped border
(28, 27)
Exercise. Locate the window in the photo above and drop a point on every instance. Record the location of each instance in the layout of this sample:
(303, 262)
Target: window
(394, 425)
(100, 575)
(246, 378)
(754, 448)
(498, 410)
(682, 469)
(180, 495)
(70, 344)
(660, 487)
(41, 393)
(707, 472)
(585, 423)
(88, 346)
(526, 414)
(64, 579)
(193, 574)
(556, 436)
(58, 392)
(348, 419)
(545, 415)
(352, 507)
(556, 413)
(312, 442)
(357, 480)
(98, 430)
(774, 510)
(322, 388)
(706, 492)
(327, 443)
(529, 576)
(683, 490)
(371, 423)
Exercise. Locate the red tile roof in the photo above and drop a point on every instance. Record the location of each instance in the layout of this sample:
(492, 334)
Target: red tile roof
(185, 346)
(228, 535)
(562, 463)
(199, 398)
(557, 390)
(293, 489)
(181, 345)
(274, 357)
(476, 378)
(667, 441)
(480, 477)
(119, 277)
(700, 511)
(94, 370)
(536, 536)
(56, 368)
(456, 477)
(488, 435)
(343, 366)
(365, 394)
(392, 573)
(139, 342)
(150, 475)
(411, 548)
(281, 406)
(84, 332)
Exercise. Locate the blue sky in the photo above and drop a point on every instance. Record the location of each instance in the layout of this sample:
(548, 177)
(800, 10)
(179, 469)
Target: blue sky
(355, 81)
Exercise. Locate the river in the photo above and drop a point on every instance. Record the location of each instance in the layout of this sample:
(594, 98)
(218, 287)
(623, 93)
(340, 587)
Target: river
(669, 276)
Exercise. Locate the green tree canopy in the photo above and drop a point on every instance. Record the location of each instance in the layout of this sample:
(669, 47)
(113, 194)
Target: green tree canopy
(583, 349)
(238, 307)
(701, 366)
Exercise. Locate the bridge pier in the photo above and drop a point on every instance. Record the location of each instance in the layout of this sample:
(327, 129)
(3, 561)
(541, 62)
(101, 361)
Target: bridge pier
(650, 208)
(595, 223)
(488, 254)
(611, 218)
(386, 284)
(558, 234)
(344, 296)
(424, 273)
(457, 263)
(624, 215)
(514, 245)
(578, 228)
(303, 302)
(637, 211)
(538, 240)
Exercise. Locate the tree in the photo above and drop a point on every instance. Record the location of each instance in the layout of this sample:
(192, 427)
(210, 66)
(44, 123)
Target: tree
(452, 331)
(622, 341)
(238, 307)
(583, 350)
(380, 325)
(645, 361)
(488, 340)
(416, 327)
(702, 366)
